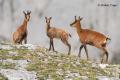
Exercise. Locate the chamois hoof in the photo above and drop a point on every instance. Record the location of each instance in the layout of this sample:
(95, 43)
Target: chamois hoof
(55, 51)
(69, 53)
(79, 56)
(88, 59)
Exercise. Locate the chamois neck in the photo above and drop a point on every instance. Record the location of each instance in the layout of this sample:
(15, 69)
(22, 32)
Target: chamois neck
(78, 27)
(24, 25)
(48, 27)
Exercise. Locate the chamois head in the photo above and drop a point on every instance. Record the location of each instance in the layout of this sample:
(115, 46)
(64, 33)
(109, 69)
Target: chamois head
(27, 15)
(76, 22)
(48, 20)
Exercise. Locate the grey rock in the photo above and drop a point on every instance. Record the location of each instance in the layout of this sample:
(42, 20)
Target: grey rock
(18, 74)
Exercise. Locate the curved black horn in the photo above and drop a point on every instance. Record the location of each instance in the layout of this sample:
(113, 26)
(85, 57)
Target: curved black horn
(75, 18)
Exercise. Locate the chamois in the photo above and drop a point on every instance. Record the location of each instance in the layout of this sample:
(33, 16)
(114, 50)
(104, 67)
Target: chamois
(21, 33)
(53, 32)
(90, 37)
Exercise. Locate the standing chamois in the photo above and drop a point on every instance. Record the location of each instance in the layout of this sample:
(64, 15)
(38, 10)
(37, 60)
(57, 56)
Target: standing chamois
(53, 32)
(21, 33)
(91, 38)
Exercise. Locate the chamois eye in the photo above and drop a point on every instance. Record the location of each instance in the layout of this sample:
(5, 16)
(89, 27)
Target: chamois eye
(25, 16)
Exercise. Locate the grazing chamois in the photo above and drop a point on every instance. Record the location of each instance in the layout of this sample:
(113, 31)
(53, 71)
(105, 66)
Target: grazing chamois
(90, 37)
(53, 32)
(21, 33)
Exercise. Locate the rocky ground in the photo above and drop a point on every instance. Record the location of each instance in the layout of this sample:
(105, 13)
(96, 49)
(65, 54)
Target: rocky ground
(32, 62)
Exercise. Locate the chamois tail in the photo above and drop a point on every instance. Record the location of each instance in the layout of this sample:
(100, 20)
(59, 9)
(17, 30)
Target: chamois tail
(108, 40)
(70, 35)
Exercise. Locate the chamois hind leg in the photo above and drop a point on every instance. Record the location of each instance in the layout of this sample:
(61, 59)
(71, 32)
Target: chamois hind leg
(25, 40)
(85, 47)
(66, 43)
(79, 55)
(105, 53)
(52, 44)
(102, 57)
(69, 46)
(19, 41)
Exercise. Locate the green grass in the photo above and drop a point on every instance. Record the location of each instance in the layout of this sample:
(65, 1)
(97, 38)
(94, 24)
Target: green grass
(7, 65)
(2, 77)
(49, 65)
(20, 54)
(3, 54)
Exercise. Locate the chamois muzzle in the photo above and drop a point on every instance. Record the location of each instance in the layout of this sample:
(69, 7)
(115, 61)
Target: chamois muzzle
(71, 24)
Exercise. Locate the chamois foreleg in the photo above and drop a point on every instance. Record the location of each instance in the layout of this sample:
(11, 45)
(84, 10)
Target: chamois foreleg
(79, 55)
(50, 45)
(25, 40)
(20, 42)
(85, 47)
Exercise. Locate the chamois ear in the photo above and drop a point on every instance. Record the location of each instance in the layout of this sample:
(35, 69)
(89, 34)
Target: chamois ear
(75, 18)
(80, 18)
(45, 17)
(28, 12)
(50, 18)
(24, 12)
